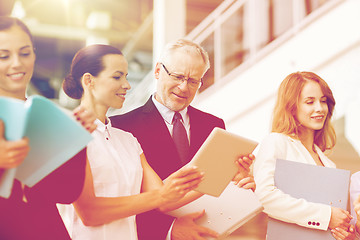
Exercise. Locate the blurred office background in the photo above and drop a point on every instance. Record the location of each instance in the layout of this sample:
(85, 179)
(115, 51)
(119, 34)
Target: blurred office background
(253, 45)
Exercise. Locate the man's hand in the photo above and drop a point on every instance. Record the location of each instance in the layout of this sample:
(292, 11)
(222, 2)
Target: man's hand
(243, 163)
(185, 228)
(246, 183)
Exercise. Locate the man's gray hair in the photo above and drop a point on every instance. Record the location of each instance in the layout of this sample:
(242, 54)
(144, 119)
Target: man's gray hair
(187, 46)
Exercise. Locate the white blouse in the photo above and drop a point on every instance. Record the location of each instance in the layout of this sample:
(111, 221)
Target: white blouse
(276, 203)
(114, 157)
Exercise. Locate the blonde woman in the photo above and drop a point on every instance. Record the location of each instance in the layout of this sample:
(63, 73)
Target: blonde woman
(301, 132)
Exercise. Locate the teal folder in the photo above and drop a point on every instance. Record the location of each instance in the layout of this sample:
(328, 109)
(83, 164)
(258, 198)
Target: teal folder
(54, 137)
(313, 183)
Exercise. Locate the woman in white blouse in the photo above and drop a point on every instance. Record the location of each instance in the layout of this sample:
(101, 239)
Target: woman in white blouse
(301, 132)
(119, 182)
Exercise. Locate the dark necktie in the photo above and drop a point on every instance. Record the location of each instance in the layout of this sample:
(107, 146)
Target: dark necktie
(180, 138)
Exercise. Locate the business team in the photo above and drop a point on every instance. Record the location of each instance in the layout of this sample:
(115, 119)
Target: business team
(164, 133)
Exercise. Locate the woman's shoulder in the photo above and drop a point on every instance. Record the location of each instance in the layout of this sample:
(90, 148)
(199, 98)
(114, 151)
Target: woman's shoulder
(355, 176)
(276, 140)
(123, 134)
(276, 137)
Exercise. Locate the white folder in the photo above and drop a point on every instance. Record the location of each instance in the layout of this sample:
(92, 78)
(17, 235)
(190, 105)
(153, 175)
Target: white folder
(313, 183)
(226, 213)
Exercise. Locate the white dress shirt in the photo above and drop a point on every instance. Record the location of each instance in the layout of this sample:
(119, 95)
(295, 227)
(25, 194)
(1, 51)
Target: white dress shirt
(168, 116)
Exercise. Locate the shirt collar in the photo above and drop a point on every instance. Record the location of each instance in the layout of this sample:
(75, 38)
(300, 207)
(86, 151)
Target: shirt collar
(168, 114)
(101, 126)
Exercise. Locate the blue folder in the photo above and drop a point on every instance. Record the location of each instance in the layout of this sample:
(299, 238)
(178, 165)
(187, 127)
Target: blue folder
(313, 183)
(54, 137)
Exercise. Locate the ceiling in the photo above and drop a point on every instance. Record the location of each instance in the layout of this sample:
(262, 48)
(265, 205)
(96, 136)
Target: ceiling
(61, 27)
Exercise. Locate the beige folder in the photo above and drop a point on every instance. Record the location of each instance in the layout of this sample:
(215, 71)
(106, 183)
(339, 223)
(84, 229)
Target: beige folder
(226, 213)
(315, 184)
(216, 158)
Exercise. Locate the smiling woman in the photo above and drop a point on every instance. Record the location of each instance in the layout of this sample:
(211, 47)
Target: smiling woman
(119, 182)
(301, 132)
(30, 213)
(98, 77)
(17, 59)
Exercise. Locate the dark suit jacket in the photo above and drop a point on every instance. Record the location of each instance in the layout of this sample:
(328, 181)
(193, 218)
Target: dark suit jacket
(39, 218)
(148, 126)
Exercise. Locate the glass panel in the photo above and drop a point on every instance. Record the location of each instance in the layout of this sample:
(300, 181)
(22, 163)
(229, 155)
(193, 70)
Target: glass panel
(209, 77)
(311, 5)
(233, 48)
(280, 17)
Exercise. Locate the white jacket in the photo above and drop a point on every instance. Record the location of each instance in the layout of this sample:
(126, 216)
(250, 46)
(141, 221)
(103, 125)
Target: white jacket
(276, 203)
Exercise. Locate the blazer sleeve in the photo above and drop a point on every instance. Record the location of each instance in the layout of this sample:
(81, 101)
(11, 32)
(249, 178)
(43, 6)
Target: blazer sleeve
(63, 185)
(276, 203)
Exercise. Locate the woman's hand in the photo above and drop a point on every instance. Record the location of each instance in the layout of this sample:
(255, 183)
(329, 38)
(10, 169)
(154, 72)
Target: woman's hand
(341, 234)
(12, 153)
(86, 118)
(356, 204)
(179, 183)
(339, 218)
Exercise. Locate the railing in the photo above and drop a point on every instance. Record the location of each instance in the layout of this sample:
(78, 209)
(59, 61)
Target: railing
(237, 34)
(239, 30)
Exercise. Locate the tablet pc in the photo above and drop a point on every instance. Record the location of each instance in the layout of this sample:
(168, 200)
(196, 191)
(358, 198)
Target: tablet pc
(216, 158)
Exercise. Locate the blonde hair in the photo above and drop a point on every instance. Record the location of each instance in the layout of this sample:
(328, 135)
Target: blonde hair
(284, 115)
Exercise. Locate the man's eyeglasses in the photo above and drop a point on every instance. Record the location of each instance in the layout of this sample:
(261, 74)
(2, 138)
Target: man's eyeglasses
(179, 79)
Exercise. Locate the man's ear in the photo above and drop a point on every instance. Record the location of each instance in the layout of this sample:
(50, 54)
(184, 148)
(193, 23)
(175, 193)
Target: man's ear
(87, 80)
(157, 70)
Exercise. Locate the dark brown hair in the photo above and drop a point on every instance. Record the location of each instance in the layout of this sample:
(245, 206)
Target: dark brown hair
(87, 60)
(8, 22)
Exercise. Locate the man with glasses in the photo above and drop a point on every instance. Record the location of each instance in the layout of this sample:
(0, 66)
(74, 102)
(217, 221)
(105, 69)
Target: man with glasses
(170, 131)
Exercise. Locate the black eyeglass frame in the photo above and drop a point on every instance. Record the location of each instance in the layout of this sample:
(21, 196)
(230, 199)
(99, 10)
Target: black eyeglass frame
(182, 78)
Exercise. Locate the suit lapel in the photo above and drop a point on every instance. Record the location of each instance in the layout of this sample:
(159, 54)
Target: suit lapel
(159, 130)
(155, 120)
